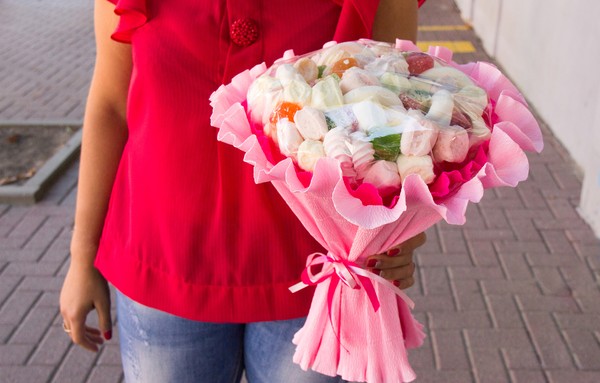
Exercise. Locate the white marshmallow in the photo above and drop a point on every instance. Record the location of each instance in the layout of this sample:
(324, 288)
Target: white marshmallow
(289, 138)
(378, 94)
(369, 115)
(395, 82)
(326, 94)
(298, 92)
(441, 108)
(311, 123)
(356, 77)
(309, 153)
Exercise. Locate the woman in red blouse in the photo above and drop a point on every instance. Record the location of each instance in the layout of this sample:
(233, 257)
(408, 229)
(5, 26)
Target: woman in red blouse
(201, 256)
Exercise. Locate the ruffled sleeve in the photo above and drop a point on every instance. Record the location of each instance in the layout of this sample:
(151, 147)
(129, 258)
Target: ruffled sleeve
(132, 15)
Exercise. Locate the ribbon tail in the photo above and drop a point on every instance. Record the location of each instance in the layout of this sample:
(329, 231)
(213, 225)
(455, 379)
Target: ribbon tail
(374, 277)
(330, 295)
(297, 287)
(367, 284)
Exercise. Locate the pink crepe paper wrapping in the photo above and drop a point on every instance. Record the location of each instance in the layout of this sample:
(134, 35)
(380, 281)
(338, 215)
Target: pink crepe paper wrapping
(343, 334)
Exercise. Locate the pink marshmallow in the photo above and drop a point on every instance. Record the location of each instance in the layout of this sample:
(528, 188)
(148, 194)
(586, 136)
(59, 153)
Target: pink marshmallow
(452, 145)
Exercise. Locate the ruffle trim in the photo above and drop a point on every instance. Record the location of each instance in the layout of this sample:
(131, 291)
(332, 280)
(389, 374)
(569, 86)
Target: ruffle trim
(133, 14)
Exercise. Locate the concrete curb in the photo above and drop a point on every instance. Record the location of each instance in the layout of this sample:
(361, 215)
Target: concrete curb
(34, 188)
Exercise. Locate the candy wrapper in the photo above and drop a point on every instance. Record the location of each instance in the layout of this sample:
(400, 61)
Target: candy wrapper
(370, 144)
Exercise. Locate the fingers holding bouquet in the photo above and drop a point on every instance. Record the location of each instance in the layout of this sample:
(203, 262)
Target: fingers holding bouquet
(396, 265)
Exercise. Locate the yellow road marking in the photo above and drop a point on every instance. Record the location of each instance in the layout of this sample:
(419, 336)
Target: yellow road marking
(459, 46)
(434, 28)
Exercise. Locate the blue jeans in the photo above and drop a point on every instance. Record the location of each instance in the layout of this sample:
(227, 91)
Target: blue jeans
(162, 348)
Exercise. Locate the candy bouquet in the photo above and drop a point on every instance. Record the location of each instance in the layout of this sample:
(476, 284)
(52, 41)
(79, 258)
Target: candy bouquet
(370, 144)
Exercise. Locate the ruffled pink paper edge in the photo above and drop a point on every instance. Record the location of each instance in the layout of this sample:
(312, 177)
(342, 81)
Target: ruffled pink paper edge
(514, 131)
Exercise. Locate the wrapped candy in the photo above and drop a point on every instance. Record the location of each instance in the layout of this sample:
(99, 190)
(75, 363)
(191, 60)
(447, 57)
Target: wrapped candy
(388, 141)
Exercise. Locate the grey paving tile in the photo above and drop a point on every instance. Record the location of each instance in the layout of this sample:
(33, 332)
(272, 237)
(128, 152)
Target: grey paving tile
(527, 376)
(450, 350)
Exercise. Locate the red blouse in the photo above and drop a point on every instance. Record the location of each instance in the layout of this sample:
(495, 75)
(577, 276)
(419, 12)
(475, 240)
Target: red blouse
(187, 230)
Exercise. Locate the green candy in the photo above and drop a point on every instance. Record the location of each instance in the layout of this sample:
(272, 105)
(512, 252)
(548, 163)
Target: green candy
(330, 123)
(387, 147)
(321, 69)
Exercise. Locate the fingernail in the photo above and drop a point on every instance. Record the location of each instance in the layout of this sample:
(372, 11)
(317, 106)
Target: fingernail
(371, 263)
(108, 334)
(393, 252)
(376, 271)
(396, 283)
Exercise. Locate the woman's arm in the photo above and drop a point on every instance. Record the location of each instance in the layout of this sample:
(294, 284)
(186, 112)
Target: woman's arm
(396, 19)
(104, 136)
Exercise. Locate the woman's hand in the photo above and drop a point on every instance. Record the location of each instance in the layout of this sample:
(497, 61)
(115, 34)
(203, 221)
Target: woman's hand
(84, 290)
(397, 264)
(104, 136)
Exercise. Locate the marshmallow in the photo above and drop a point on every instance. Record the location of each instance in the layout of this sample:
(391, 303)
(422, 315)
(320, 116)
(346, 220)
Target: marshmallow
(382, 48)
(418, 135)
(356, 77)
(378, 94)
(448, 76)
(326, 94)
(395, 115)
(336, 144)
(395, 82)
(391, 63)
(369, 115)
(289, 138)
(479, 132)
(263, 95)
(307, 68)
(452, 145)
(441, 108)
(420, 165)
(472, 100)
(286, 73)
(309, 153)
(362, 153)
(384, 176)
(331, 55)
(298, 92)
(311, 123)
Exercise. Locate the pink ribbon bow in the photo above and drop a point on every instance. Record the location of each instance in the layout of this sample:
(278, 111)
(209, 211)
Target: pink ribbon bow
(347, 272)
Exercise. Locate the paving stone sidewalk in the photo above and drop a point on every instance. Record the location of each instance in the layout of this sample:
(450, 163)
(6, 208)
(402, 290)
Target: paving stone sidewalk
(512, 296)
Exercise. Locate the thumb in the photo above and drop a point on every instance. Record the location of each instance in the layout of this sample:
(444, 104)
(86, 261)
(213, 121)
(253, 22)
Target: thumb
(104, 318)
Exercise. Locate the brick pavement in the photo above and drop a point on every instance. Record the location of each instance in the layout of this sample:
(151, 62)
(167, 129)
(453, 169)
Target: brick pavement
(512, 296)
(46, 60)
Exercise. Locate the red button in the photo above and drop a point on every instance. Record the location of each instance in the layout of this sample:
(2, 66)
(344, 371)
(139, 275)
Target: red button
(244, 31)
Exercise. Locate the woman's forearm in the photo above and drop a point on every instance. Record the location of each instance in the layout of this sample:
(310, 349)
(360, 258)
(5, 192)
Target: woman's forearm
(104, 134)
(396, 19)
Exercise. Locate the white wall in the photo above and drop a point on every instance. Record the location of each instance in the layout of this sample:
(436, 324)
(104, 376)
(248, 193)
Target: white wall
(550, 49)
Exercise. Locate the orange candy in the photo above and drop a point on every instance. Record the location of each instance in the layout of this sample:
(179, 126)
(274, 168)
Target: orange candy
(340, 66)
(284, 109)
